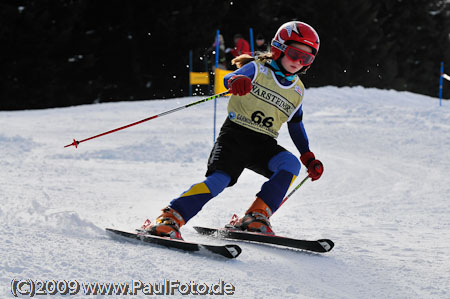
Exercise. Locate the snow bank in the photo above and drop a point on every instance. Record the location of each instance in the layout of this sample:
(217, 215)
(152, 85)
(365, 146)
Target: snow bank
(383, 199)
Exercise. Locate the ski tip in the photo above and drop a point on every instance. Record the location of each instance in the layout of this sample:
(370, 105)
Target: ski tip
(234, 250)
(326, 244)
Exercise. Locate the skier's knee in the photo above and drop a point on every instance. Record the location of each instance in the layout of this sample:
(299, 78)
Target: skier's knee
(217, 182)
(285, 161)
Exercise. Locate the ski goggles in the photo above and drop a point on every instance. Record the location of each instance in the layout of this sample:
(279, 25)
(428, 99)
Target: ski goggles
(295, 54)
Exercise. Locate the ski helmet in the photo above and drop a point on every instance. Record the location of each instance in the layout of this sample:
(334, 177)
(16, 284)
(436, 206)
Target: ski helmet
(295, 32)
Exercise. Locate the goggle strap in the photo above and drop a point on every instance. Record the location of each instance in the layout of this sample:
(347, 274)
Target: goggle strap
(278, 45)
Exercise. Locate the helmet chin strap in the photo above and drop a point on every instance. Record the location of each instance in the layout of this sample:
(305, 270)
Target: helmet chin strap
(303, 70)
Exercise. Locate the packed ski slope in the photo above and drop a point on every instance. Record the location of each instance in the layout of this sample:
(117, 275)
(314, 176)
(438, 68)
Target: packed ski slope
(384, 198)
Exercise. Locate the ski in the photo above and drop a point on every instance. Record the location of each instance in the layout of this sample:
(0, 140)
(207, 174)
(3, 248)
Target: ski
(228, 251)
(322, 245)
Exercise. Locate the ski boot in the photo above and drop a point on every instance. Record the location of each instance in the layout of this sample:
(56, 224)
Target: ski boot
(166, 225)
(256, 219)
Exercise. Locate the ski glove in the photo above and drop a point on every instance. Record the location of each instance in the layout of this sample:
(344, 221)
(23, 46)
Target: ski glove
(240, 85)
(315, 167)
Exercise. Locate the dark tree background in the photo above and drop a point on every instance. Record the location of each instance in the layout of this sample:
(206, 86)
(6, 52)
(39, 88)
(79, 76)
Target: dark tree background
(70, 52)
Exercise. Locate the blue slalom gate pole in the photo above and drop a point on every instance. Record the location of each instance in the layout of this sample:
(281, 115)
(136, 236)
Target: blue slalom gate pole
(440, 83)
(251, 42)
(215, 100)
(190, 71)
(217, 47)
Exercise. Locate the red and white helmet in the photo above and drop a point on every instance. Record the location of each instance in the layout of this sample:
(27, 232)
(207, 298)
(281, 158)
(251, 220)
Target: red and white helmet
(297, 32)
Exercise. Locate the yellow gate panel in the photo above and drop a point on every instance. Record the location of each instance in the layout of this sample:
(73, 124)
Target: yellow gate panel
(198, 78)
(218, 80)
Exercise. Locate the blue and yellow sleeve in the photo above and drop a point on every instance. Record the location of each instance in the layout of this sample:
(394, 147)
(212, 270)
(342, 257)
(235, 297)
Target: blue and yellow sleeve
(247, 70)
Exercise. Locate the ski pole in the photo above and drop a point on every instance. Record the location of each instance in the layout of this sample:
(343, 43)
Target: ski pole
(76, 142)
(295, 189)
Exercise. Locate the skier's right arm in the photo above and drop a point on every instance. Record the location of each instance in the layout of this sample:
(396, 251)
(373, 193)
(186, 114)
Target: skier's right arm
(247, 70)
(239, 82)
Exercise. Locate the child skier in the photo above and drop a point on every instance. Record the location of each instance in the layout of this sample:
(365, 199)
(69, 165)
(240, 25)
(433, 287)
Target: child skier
(266, 92)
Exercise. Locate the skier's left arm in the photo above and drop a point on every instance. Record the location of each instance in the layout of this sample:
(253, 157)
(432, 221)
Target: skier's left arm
(300, 139)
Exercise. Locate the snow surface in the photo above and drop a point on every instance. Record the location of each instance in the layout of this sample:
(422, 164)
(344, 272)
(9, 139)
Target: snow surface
(384, 198)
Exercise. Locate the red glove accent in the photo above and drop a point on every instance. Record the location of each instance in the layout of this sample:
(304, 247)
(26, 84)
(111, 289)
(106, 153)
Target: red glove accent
(315, 167)
(240, 85)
